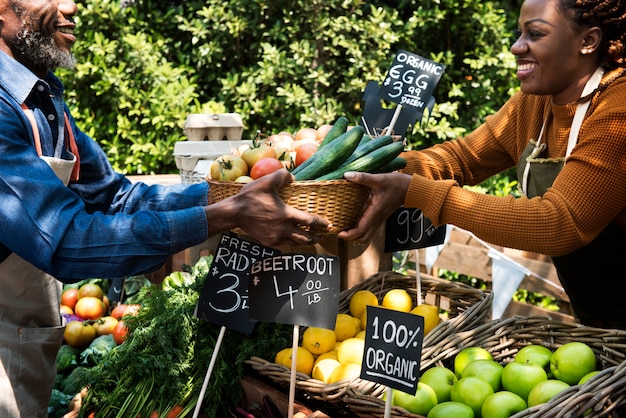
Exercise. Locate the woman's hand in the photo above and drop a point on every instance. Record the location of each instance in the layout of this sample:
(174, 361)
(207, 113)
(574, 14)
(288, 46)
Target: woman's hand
(259, 211)
(387, 195)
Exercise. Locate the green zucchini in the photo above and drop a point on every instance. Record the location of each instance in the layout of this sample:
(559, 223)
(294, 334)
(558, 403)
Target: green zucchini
(331, 157)
(339, 128)
(366, 147)
(368, 163)
(396, 164)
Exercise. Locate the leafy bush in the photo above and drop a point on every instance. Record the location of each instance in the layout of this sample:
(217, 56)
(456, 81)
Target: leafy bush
(144, 65)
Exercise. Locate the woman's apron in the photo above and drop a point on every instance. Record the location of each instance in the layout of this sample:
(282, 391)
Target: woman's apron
(31, 326)
(589, 275)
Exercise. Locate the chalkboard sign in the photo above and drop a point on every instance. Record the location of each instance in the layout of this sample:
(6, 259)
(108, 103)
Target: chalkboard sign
(411, 80)
(298, 289)
(393, 348)
(409, 229)
(224, 298)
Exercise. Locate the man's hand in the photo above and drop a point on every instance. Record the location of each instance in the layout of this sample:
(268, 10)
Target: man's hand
(259, 211)
(387, 195)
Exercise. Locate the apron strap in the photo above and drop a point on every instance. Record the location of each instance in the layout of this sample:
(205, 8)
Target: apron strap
(577, 121)
(69, 134)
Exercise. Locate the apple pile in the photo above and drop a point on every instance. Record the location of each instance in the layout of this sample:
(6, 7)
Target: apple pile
(478, 386)
(279, 150)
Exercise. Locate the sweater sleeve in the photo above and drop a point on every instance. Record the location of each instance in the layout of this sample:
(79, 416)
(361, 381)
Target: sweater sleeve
(587, 195)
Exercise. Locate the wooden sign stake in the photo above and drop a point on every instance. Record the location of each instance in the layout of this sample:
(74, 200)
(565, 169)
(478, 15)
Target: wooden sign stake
(388, 402)
(294, 361)
(216, 351)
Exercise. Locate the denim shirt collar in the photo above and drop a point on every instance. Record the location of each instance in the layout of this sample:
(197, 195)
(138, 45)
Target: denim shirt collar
(19, 81)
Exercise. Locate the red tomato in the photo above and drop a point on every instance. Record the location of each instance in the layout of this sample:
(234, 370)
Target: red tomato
(105, 325)
(120, 333)
(90, 289)
(258, 151)
(118, 311)
(69, 297)
(79, 334)
(228, 168)
(265, 166)
(90, 307)
(305, 151)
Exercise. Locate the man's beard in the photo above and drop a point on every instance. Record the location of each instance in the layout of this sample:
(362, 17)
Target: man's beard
(38, 49)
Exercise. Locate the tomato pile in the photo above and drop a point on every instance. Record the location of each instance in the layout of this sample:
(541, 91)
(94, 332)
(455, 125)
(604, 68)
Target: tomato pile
(90, 315)
(263, 157)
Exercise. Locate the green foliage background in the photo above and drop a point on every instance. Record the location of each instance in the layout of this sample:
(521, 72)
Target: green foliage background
(144, 65)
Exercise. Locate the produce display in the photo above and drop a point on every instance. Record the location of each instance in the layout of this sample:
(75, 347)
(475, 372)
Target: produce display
(325, 153)
(518, 367)
(492, 390)
(163, 341)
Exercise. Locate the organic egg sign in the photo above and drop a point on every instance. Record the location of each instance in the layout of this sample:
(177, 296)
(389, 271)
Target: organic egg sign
(411, 80)
(224, 298)
(297, 289)
(393, 348)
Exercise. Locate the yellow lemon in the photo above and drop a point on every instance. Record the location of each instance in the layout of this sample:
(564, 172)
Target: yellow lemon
(398, 299)
(278, 359)
(331, 354)
(304, 360)
(360, 300)
(318, 340)
(346, 371)
(324, 369)
(364, 320)
(351, 351)
(430, 314)
(346, 326)
(360, 334)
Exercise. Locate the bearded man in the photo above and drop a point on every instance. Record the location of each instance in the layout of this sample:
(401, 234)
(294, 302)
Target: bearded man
(66, 215)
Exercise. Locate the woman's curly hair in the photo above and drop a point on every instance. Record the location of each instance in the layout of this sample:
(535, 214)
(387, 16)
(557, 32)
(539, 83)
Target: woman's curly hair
(610, 17)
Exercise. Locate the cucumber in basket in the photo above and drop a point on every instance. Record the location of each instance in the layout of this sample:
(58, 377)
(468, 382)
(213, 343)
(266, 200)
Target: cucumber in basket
(369, 163)
(330, 157)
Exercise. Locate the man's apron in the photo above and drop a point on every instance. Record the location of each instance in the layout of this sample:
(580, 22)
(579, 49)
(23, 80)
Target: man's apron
(590, 275)
(31, 326)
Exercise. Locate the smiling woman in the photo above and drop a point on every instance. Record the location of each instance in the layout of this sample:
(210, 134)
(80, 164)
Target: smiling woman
(564, 133)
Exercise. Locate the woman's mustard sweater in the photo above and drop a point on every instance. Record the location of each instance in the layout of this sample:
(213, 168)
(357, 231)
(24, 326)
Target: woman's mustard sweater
(587, 195)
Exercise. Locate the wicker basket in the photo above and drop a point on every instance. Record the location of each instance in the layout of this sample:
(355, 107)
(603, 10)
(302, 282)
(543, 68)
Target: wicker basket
(339, 201)
(466, 307)
(503, 338)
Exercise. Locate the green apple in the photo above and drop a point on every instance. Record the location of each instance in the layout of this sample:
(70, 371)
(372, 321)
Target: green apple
(588, 376)
(441, 379)
(502, 404)
(421, 403)
(451, 409)
(520, 378)
(544, 391)
(488, 370)
(472, 392)
(535, 354)
(571, 361)
(467, 355)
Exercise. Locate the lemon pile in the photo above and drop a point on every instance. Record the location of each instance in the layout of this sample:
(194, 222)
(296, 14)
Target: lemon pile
(335, 355)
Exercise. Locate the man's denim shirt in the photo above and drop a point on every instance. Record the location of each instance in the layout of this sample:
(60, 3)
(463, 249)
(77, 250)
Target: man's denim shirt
(99, 226)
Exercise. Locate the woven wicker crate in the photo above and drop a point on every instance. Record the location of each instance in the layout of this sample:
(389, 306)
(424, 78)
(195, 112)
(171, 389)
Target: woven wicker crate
(339, 201)
(466, 307)
(503, 338)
